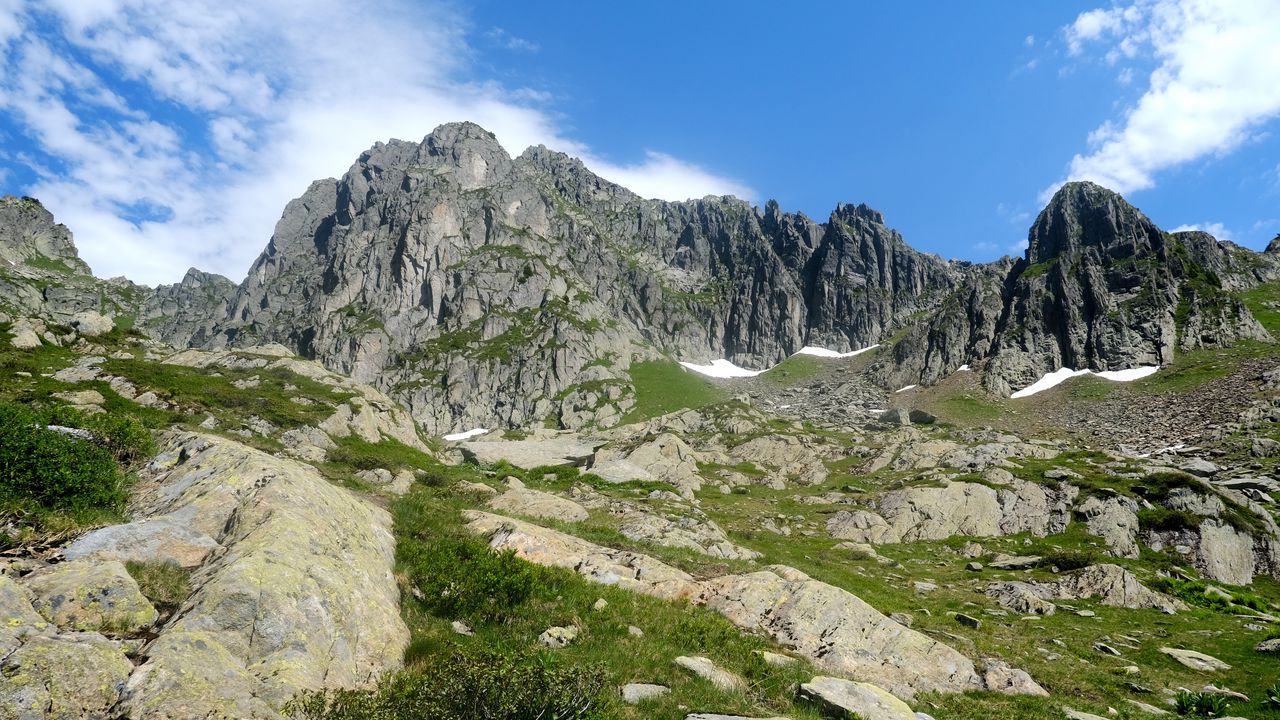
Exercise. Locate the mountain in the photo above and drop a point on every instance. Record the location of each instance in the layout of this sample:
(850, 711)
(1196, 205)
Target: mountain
(483, 290)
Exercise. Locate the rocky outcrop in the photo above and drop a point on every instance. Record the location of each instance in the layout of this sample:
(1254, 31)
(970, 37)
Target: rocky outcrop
(957, 508)
(831, 627)
(1111, 584)
(294, 591)
(183, 314)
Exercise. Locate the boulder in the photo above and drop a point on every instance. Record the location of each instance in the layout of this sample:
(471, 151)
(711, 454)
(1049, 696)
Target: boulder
(535, 503)
(839, 632)
(843, 698)
(302, 598)
(530, 453)
(636, 693)
(1200, 467)
(91, 324)
(709, 671)
(1022, 598)
(72, 676)
(558, 637)
(1195, 660)
(168, 538)
(91, 595)
(1114, 586)
(607, 566)
(1115, 520)
(1000, 676)
(700, 536)
(666, 458)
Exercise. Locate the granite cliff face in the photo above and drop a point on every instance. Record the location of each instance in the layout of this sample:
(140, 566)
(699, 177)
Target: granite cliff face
(1100, 287)
(485, 290)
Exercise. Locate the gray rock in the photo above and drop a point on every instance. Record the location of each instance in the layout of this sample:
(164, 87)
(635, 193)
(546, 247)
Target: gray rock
(535, 503)
(63, 677)
(1201, 467)
(857, 699)
(1195, 660)
(636, 693)
(707, 670)
(1271, 646)
(168, 538)
(91, 596)
(1114, 519)
(999, 676)
(528, 454)
(558, 637)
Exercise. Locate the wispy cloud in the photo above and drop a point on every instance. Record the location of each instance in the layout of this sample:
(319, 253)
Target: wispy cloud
(511, 42)
(1216, 229)
(1213, 86)
(167, 135)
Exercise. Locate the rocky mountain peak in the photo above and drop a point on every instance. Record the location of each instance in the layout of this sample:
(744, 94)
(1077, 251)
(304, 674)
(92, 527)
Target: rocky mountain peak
(1084, 214)
(29, 235)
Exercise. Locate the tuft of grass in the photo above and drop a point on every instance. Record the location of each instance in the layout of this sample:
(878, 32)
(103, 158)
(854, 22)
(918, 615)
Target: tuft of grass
(165, 583)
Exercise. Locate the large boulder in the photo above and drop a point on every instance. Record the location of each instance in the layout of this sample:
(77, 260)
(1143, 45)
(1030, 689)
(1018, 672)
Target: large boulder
(169, 538)
(839, 632)
(700, 536)
(1115, 520)
(91, 596)
(1114, 586)
(847, 698)
(530, 453)
(74, 676)
(538, 504)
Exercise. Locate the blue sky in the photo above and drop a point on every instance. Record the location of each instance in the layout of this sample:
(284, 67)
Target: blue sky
(171, 135)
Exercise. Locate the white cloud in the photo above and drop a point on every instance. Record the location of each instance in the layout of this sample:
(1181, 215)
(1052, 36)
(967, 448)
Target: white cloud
(273, 96)
(1029, 41)
(1216, 229)
(1215, 83)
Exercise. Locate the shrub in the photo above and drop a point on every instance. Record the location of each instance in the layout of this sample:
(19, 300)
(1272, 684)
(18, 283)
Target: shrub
(1163, 519)
(1068, 559)
(53, 470)
(1272, 700)
(1201, 704)
(124, 437)
(468, 686)
(463, 578)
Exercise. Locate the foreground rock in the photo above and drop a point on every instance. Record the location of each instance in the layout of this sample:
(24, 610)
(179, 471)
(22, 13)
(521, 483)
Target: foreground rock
(829, 626)
(860, 699)
(1195, 660)
(63, 677)
(92, 596)
(535, 503)
(709, 671)
(300, 597)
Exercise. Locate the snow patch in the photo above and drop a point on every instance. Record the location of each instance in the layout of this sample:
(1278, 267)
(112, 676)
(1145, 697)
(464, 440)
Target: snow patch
(1062, 374)
(454, 437)
(825, 353)
(963, 368)
(905, 388)
(721, 369)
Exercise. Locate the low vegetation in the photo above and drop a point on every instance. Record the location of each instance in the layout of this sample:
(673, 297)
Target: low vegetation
(663, 386)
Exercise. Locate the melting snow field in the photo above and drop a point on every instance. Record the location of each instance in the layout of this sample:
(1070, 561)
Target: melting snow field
(1058, 376)
(466, 435)
(823, 352)
(905, 388)
(726, 369)
(722, 369)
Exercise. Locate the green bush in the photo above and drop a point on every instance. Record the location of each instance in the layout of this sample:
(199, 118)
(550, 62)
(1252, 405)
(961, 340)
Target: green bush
(1272, 700)
(468, 686)
(53, 470)
(1163, 519)
(463, 578)
(1068, 559)
(1201, 704)
(124, 437)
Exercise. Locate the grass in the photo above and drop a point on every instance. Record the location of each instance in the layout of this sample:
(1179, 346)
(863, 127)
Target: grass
(662, 387)
(794, 370)
(1263, 302)
(164, 583)
(428, 519)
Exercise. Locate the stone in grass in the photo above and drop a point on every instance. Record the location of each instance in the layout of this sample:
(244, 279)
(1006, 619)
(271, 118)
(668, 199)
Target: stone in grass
(1268, 646)
(714, 716)
(600, 604)
(558, 637)
(775, 659)
(1195, 660)
(707, 670)
(636, 693)
(634, 631)
(847, 697)
(973, 566)
(1077, 715)
(91, 595)
(969, 621)
(462, 628)
(1000, 676)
